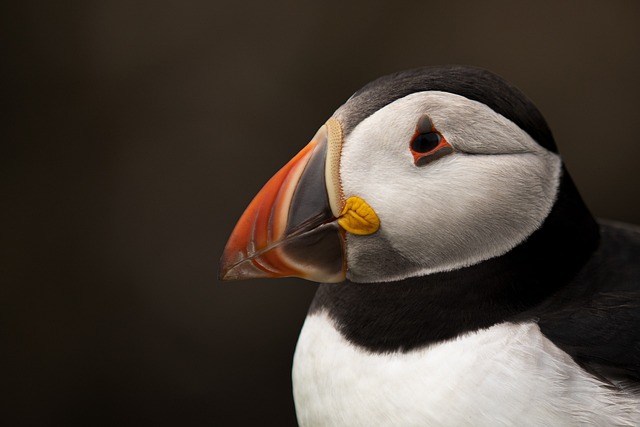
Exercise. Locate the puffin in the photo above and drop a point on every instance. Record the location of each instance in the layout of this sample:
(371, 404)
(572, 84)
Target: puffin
(463, 281)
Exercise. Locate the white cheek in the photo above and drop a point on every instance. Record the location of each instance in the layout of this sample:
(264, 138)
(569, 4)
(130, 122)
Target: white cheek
(466, 212)
(458, 210)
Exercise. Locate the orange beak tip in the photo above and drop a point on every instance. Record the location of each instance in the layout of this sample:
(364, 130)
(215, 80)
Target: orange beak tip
(238, 269)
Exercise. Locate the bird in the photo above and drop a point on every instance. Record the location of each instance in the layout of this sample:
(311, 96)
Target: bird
(463, 281)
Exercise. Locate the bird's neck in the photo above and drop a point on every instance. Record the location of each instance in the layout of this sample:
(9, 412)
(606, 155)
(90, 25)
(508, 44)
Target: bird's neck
(417, 311)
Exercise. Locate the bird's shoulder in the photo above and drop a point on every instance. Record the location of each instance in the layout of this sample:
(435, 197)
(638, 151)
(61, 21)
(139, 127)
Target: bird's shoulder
(596, 318)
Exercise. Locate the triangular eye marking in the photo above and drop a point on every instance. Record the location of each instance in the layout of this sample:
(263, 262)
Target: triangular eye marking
(425, 124)
(428, 144)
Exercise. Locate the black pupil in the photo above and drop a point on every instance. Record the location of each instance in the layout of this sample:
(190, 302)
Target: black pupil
(425, 142)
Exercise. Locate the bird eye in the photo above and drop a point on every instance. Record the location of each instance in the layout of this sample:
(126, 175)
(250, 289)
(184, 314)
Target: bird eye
(428, 144)
(425, 142)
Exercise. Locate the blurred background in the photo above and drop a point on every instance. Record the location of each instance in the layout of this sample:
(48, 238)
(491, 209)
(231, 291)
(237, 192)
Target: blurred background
(135, 134)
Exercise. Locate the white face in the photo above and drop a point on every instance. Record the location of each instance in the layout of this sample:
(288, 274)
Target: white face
(493, 191)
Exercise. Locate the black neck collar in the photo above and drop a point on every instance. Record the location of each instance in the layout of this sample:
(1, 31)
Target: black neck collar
(417, 311)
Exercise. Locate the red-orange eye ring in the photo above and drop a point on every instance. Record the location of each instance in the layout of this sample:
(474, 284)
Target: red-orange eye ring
(428, 144)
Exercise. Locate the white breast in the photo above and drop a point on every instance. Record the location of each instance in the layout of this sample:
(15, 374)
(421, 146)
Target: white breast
(507, 375)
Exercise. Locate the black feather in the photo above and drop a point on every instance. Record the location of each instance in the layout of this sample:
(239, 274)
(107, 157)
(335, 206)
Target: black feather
(476, 84)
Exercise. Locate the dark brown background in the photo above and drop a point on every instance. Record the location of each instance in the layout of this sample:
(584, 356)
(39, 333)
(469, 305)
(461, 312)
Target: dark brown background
(137, 132)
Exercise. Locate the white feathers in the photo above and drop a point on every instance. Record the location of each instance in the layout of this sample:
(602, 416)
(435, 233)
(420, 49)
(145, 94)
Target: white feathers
(502, 376)
(477, 203)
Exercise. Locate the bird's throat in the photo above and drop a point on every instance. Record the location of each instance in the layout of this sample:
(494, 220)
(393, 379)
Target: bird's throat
(417, 311)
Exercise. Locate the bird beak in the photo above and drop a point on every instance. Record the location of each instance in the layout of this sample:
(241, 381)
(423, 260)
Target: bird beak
(296, 225)
(291, 226)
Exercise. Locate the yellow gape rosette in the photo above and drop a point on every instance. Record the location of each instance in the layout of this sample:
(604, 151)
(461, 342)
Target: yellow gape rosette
(358, 217)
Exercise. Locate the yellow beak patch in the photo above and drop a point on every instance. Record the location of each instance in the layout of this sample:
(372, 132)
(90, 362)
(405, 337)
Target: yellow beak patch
(358, 217)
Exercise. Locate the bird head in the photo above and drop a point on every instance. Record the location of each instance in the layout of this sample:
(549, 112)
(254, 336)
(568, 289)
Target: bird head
(419, 172)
